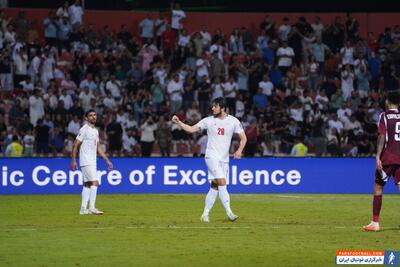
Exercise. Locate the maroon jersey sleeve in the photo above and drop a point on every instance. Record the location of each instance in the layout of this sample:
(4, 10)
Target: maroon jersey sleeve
(389, 126)
(381, 124)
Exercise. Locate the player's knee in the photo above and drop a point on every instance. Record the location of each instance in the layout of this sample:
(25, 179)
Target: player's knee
(378, 190)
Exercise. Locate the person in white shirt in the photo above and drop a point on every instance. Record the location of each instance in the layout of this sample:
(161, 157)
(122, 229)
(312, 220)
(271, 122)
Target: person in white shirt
(216, 88)
(335, 123)
(21, 65)
(27, 84)
(175, 91)
(75, 13)
(344, 112)
(285, 56)
(183, 40)
(63, 11)
(177, 17)
(239, 107)
(74, 125)
(347, 53)
(205, 36)
(202, 66)
(230, 90)
(220, 128)
(128, 142)
(284, 29)
(87, 142)
(85, 96)
(36, 107)
(266, 85)
(347, 82)
(34, 66)
(66, 99)
(317, 27)
(322, 100)
(114, 87)
(148, 137)
(47, 69)
(109, 102)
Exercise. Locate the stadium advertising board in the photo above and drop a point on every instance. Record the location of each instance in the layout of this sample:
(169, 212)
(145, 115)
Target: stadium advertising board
(189, 175)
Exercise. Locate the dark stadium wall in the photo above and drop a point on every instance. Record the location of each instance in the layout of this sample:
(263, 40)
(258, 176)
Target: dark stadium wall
(374, 22)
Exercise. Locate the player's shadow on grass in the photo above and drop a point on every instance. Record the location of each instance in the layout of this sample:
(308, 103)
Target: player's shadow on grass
(388, 229)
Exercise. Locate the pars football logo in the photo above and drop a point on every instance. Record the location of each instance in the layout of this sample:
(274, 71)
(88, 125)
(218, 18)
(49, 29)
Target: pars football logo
(391, 258)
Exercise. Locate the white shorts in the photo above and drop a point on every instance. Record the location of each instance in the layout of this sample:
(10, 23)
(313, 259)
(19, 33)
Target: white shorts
(89, 173)
(217, 169)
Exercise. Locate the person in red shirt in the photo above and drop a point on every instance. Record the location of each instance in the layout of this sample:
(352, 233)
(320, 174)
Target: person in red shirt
(168, 41)
(387, 156)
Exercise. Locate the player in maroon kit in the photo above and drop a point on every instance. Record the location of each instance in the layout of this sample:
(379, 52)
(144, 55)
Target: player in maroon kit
(388, 154)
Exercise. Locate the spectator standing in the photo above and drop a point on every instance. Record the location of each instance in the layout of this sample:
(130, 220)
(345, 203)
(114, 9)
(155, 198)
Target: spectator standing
(76, 13)
(177, 17)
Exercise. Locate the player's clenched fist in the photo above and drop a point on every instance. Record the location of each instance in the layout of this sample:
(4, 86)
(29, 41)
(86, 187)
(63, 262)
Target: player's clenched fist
(175, 119)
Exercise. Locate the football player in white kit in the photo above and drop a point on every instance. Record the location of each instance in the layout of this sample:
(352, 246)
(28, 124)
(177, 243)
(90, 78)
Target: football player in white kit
(220, 129)
(87, 142)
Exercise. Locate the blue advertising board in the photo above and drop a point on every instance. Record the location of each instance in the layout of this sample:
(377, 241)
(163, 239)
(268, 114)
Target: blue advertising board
(189, 175)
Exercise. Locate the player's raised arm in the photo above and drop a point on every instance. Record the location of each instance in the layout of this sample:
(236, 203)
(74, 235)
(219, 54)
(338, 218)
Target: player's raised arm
(184, 126)
(242, 144)
(74, 152)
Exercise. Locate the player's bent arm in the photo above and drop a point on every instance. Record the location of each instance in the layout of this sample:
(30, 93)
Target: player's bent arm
(243, 141)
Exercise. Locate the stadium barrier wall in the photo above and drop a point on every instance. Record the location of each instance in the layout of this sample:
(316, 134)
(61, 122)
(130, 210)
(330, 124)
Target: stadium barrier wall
(374, 22)
(189, 175)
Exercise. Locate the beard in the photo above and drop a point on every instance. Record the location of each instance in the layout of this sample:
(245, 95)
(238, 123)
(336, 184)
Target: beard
(216, 115)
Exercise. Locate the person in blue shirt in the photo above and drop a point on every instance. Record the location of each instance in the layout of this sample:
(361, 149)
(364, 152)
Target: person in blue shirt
(275, 76)
(63, 30)
(260, 100)
(374, 68)
(269, 53)
(50, 29)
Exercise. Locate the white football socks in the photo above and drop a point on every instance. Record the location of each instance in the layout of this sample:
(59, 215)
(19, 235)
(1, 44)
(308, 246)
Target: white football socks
(210, 200)
(92, 198)
(85, 197)
(225, 199)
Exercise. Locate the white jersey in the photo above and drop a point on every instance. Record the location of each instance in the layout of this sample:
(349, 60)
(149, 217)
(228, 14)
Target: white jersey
(88, 152)
(219, 134)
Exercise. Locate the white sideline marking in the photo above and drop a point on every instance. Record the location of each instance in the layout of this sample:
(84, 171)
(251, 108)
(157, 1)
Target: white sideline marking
(289, 196)
(22, 229)
(100, 228)
(276, 226)
(188, 227)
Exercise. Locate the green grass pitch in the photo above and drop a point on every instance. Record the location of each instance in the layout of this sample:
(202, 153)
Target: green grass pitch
(164, 230)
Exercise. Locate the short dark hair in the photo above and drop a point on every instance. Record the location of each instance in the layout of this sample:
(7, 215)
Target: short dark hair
(89, 111)
(220, 101)
(393, 97)
(15, 138)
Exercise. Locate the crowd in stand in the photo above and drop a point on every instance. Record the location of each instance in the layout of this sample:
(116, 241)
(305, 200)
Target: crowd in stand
(314, 85)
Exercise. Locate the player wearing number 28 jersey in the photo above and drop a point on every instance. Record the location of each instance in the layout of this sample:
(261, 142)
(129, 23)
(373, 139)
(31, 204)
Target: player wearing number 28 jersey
(220, 128)
(387, 156)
